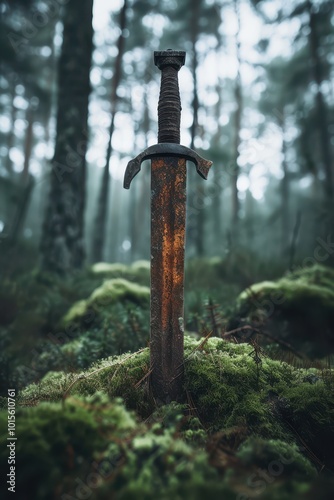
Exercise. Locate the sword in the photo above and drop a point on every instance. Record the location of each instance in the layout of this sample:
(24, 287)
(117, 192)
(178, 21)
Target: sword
(168, 221)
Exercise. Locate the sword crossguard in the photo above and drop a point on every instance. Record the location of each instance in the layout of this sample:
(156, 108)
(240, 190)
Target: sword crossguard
(166, 149)
(169, 107)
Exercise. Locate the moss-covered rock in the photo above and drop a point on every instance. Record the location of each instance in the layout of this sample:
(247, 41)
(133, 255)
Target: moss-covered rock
(298, 309)
(114, 290)
(113, 320)
(138, 271)
(46, 312)
(40, 312)
(109, 293)
(109, 269)
(227, 387)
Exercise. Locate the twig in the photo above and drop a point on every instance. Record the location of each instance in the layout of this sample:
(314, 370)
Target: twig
(85, 377)
(143, 378)
(265, 334)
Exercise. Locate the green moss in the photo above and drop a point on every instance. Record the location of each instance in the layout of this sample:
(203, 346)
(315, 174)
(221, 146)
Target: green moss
(56, 441)
(310, 410)
(138, 271)
(291, 293)
(113, 320)
(272, 399)
(279, 456)
(270, 469)
(63, 445)
(317, 274)
(69, 421)
(284, 413)
(226, 385)
(110, 292)
(117, 289)
(78, 310)
(116, 376)
(165, 466)
(298, 308)
(141, 266)
(106, 268)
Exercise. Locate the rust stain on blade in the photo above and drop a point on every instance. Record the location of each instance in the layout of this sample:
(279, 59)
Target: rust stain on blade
(168, 218)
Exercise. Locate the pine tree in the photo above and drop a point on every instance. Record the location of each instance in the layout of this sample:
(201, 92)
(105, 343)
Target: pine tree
(62, 246)
(99, 230)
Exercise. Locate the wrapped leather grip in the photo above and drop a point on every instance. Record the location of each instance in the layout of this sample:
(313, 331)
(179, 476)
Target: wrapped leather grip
(169, 107)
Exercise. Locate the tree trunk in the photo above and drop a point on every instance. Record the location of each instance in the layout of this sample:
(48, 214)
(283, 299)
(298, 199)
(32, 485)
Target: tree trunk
(195, 102)
(116, 222)
(217, 171)
(237, 127)
(320, 103)
(140, 238)
(200, 238)
(132, 207)
(142, 224)
(250, 221)
(216, 211)
(99, 235)
(62, 244)
(285, 191)
(11, 133)
(195, 228)
(25, 185)
(22, 208)
(28, 144)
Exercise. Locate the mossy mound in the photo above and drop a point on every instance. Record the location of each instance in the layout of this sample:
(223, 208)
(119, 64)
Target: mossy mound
(34, 302)
(113, 319)
(57, 443)
(92, 447)
(271, 469)
(298, 309)
(39, 312)
(105, 269)
(261, 453)
(109, 293)
(138, 271)
(226, 386)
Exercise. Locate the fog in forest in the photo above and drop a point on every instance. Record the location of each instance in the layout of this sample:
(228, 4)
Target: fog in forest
(257, 100)
(123, 373)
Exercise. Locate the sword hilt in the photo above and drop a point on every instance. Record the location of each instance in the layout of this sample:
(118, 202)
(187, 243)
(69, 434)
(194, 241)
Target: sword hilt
(169, 107)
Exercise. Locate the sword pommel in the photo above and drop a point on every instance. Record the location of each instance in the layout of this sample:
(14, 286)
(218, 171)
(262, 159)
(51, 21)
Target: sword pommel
(169, 57)
(169, 107)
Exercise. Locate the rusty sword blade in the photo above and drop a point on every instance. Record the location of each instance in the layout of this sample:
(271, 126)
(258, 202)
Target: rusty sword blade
(168, 218)
(168, 221)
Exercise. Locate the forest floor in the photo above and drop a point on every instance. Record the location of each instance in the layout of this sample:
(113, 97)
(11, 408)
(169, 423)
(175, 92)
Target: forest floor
(257, 415)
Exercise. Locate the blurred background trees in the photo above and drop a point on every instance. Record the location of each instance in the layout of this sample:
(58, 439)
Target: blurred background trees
(62, 245)
(257, 97)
